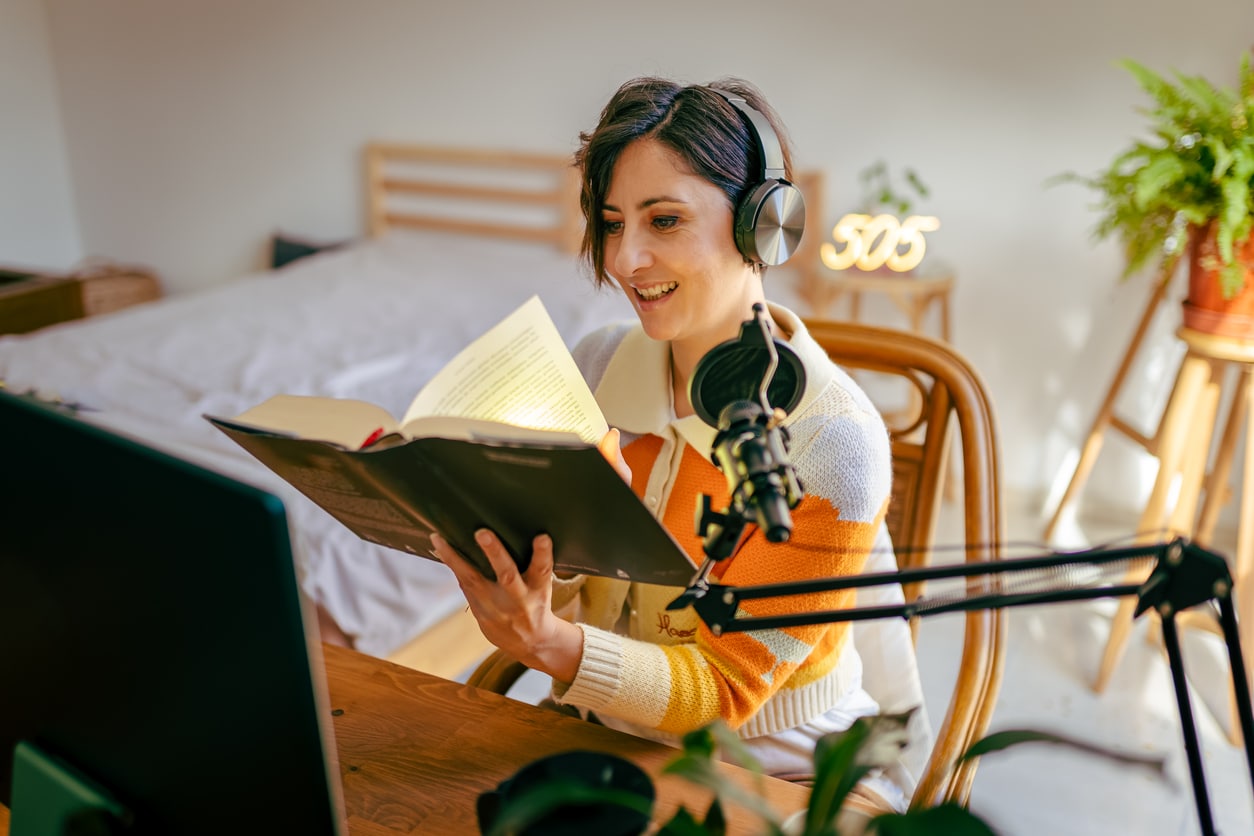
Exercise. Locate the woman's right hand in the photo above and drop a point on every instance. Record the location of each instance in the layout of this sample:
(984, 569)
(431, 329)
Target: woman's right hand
(514, 611)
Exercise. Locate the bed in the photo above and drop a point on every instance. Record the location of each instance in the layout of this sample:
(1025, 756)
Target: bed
(457, 239)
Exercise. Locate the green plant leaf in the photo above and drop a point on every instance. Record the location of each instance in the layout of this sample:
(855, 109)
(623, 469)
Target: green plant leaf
(1208, 100)
(682, 824)
(704, 773)
(1198, 167)
(1223, 159)
(715, 820)
(918, 185)
(843, 759)
(1231, 280)
(696, 764)
(836, 772)
(1160, 172)
(699, 743)
(949, 819)
(536, 803)
(999, 741)
(1149, 80)
(880, 193)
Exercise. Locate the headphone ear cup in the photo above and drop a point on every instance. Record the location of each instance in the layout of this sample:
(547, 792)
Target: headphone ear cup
(770, 222)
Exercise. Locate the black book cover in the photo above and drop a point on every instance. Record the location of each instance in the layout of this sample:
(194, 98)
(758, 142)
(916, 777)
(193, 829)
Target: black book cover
(399, 492)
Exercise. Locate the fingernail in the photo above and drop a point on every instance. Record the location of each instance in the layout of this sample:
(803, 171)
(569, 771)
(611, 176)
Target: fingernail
(483, 537)
(437, 542)
(544, 540)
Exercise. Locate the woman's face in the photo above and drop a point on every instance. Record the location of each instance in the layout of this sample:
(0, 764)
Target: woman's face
(669, 245)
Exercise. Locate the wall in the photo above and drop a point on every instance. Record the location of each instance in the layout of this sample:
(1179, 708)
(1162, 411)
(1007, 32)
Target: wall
(196, 128)
(38, 225)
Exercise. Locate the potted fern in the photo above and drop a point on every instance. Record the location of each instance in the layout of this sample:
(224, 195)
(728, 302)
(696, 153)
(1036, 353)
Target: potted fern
(1189, 191)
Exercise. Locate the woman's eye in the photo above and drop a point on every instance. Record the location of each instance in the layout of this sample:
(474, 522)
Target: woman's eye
(613, 227)
(665, 221)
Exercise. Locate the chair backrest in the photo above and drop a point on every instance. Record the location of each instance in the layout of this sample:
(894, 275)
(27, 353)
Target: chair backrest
(946, 394)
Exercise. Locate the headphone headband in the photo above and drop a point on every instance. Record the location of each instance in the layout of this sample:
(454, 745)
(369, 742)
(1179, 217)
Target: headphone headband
(770, 218)
(769, 149)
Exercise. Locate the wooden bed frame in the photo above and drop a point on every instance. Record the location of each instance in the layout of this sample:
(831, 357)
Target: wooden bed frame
(500, 194)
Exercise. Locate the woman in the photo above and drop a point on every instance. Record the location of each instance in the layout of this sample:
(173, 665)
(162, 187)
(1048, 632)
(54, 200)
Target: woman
(662, 174)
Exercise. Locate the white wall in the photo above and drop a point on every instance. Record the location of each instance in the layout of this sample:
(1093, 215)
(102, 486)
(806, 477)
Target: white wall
(196, 128)
(38, 225)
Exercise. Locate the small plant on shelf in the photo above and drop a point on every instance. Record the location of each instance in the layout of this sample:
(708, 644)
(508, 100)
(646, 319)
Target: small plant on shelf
(880, 193)
(882, 234)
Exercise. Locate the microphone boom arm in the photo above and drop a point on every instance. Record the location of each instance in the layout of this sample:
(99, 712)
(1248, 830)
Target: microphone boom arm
(772, 364)
(1184, 575)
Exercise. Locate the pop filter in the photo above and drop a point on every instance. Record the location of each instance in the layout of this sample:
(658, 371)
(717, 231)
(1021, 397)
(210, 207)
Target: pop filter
(742, 388)
(733, 371)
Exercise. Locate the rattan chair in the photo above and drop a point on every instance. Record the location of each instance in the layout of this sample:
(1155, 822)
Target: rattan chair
(948, 401)
(949, 408)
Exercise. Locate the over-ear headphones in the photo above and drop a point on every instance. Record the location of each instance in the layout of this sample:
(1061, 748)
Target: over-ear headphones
(771, 218)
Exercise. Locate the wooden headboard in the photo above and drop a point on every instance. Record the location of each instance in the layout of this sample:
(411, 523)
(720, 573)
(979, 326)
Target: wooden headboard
(511, 194)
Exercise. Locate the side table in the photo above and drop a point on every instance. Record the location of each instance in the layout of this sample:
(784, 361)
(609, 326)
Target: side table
(913, 295)
(30, 300)
(1185, 433)
(109, 289)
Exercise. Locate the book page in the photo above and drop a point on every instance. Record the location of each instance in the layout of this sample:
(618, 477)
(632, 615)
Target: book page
(343, 421)
(476, 429)
(520, 372)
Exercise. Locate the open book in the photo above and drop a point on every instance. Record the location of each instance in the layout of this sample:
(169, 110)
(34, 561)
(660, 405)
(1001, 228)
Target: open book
(503, 437)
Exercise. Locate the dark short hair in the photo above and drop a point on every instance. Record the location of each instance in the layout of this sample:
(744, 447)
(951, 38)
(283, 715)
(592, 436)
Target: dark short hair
(707, 132)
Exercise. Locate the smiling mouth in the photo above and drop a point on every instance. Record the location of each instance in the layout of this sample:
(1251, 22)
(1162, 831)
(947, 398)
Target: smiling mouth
(655, 292)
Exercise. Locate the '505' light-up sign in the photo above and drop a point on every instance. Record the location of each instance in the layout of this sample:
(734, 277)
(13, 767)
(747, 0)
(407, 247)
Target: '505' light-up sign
(871, 242)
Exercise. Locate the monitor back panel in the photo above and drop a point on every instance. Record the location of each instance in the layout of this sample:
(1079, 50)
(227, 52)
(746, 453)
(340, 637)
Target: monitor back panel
(151, 633)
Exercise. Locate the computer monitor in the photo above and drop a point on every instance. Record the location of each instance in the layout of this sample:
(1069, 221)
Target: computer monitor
(153, 649)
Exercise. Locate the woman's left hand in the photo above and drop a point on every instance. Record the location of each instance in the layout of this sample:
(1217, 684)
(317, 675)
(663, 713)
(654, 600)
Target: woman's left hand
(611, 447)
(514, 611)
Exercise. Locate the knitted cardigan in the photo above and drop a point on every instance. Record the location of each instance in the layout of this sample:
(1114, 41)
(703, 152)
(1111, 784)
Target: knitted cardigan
(665, 672)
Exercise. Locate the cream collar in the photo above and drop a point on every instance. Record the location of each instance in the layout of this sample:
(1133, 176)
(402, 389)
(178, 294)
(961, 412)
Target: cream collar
(636, 396)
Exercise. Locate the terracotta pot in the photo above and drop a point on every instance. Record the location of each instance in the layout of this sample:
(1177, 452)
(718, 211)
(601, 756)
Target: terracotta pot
(1206, 309)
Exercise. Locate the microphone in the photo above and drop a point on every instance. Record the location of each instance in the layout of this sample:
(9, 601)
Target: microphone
(732, 389)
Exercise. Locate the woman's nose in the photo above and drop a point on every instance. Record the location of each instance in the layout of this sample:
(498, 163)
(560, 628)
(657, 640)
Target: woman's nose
(631, 251)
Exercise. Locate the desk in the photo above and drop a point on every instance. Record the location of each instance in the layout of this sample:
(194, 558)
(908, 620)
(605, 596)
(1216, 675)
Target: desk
(416, 750)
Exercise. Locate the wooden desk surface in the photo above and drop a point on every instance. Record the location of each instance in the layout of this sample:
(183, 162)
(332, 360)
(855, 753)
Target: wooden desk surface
(415, 751)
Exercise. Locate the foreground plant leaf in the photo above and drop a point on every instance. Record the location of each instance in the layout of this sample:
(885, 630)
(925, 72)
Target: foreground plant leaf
(999, 741)
(843, 759)
(703, 772)
(949, 818)
(696, 764)
(536, 803)
(682, 824)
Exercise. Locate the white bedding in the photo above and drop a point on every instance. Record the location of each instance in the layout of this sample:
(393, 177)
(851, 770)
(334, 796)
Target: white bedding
(373, 321)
